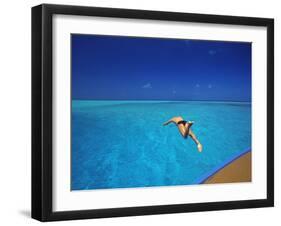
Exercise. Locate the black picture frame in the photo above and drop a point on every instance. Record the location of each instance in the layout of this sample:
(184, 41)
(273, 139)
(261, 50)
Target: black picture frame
(42, 112)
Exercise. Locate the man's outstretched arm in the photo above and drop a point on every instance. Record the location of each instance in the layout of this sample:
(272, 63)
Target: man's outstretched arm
(168, 122)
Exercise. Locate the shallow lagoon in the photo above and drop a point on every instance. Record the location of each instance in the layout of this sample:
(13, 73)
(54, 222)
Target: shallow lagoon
(122, 144)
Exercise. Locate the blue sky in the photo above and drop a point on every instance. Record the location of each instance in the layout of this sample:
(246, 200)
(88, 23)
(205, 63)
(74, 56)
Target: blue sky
(136, 68)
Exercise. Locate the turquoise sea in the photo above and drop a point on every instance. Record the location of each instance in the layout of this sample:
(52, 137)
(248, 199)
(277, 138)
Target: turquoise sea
(123, 144)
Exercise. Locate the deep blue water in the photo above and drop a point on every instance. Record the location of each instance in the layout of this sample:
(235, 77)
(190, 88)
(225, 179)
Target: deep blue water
(122, 144)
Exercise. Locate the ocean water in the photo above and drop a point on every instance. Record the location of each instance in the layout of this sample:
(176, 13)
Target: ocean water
(123, 144)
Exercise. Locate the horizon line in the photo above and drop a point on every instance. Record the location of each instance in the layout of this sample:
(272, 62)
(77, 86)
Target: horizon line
(248, 101)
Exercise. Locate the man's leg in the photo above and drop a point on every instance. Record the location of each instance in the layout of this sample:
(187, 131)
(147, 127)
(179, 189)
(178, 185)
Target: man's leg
(192, 135)
(187, 128)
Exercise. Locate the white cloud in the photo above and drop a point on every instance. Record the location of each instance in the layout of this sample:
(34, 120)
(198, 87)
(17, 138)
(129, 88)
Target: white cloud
(147, 86)
(212, 52)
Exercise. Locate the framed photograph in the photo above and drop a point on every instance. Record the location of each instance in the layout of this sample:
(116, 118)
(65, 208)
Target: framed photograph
(145, 112)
